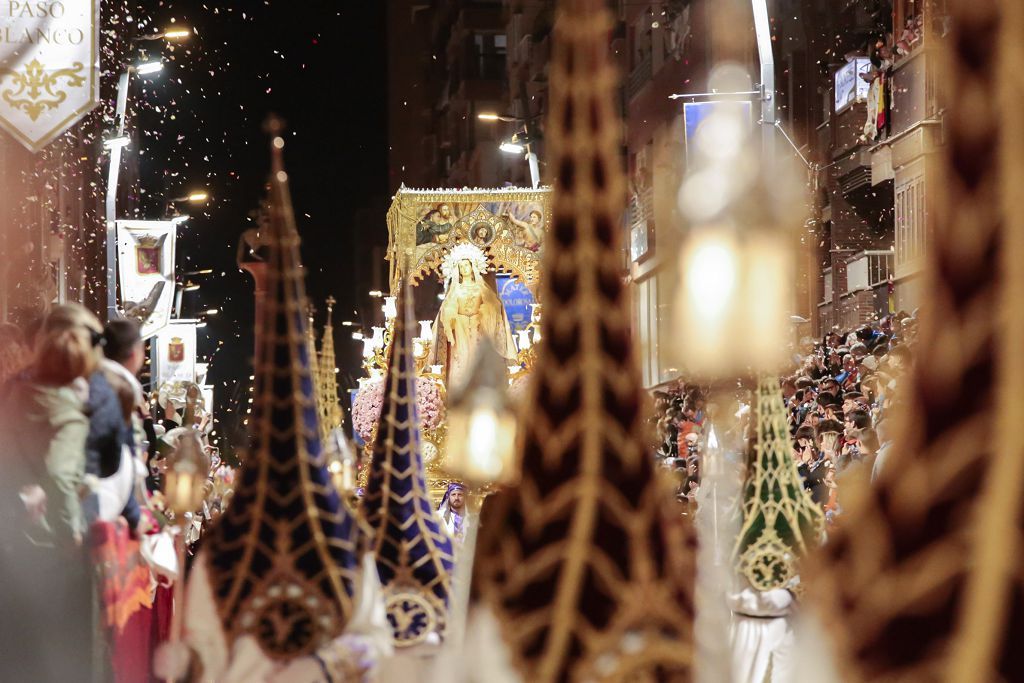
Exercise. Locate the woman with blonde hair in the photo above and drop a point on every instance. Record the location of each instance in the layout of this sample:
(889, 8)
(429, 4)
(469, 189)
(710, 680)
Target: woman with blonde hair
(43, 566)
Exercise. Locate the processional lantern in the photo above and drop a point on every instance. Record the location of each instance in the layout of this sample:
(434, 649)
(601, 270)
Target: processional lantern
(342, 462)
(482, 424)
(736, 266)
(185, 479)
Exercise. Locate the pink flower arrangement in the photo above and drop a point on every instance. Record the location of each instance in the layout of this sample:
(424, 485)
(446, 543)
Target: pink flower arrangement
(366, 408)
(369, 402)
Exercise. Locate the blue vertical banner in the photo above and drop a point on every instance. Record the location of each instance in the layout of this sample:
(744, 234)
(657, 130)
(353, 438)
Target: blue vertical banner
(516, 297)
(694, 114)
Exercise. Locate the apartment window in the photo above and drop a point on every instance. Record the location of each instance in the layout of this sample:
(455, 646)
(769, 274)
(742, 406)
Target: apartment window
(643, 38)
(909, 19)
(911, 224)
(647, 317)
(489, 52)
(666, 369)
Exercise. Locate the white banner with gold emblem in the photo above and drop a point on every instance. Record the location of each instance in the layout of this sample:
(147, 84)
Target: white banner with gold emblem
(174, 353)
(49, 67)
(145, 262)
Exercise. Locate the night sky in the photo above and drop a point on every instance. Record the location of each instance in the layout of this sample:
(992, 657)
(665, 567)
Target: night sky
(320, 65)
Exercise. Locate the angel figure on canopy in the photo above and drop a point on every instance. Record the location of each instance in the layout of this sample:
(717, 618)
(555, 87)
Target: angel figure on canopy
(471, 313)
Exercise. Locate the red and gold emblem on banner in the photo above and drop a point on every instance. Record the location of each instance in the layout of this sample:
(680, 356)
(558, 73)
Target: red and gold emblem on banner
(176, 350)
(148, 255)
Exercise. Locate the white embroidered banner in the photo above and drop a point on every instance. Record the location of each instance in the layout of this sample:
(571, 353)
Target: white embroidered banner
(145, 263)
(49, 67)
(174, 354)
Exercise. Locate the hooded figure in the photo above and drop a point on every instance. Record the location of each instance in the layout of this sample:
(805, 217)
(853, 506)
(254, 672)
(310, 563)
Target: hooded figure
(413, 553)
(781, 523)
(583, 570)
(282, 590)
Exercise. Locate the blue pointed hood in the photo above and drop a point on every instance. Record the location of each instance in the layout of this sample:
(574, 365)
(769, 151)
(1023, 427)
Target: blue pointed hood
(284, 557)
(414, 554)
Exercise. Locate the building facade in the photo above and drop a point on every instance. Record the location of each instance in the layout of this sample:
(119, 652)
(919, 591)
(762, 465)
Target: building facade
(449, 63)
(861, 245)
(51, 227)
(52, 218)
(663, 51)
(874, 147)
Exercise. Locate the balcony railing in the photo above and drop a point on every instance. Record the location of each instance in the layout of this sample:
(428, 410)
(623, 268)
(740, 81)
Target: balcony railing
(868, 269)
(643, 210)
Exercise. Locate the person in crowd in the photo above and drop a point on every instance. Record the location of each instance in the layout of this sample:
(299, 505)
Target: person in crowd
(830, 407)
(788, 388)
(882, 429)
(109, 464)
(133, 643)
(814, 467)
(854, 422)
(868, 445)
(850, 376)
(804, 445)
(125, 356)
(853, 400)
(453, 511)
(44, 566)
(899, 358)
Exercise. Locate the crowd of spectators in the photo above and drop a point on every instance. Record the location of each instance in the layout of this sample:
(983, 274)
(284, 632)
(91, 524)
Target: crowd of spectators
(86, 546)
(839, 397)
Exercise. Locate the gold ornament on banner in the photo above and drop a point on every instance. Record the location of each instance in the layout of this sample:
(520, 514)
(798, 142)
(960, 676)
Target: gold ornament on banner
(36, 90)
(587, 563)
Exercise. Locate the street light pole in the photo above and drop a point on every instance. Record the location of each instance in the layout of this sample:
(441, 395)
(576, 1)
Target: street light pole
(514, 146)
(111, 204)
(531, 159)
(765, 55)
(114, 170)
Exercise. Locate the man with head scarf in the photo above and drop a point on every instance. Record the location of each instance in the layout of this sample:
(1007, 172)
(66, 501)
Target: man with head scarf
(453, 511)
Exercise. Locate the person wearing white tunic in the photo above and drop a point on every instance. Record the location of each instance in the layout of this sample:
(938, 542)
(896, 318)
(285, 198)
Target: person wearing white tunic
(762, 636)
(365, 641)
(282, 589)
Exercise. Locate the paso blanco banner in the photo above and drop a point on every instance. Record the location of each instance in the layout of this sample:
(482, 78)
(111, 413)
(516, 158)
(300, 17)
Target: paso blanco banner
(49, 67)
(145, 263)
(174, 355)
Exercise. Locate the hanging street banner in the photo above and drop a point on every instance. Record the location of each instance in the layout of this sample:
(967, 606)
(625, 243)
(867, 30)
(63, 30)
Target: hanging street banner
(49, 67)
(174, 357)
(145, 263)
(695, 113)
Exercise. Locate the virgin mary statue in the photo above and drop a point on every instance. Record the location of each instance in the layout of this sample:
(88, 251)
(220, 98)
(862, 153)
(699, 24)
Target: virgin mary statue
(471, 313)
